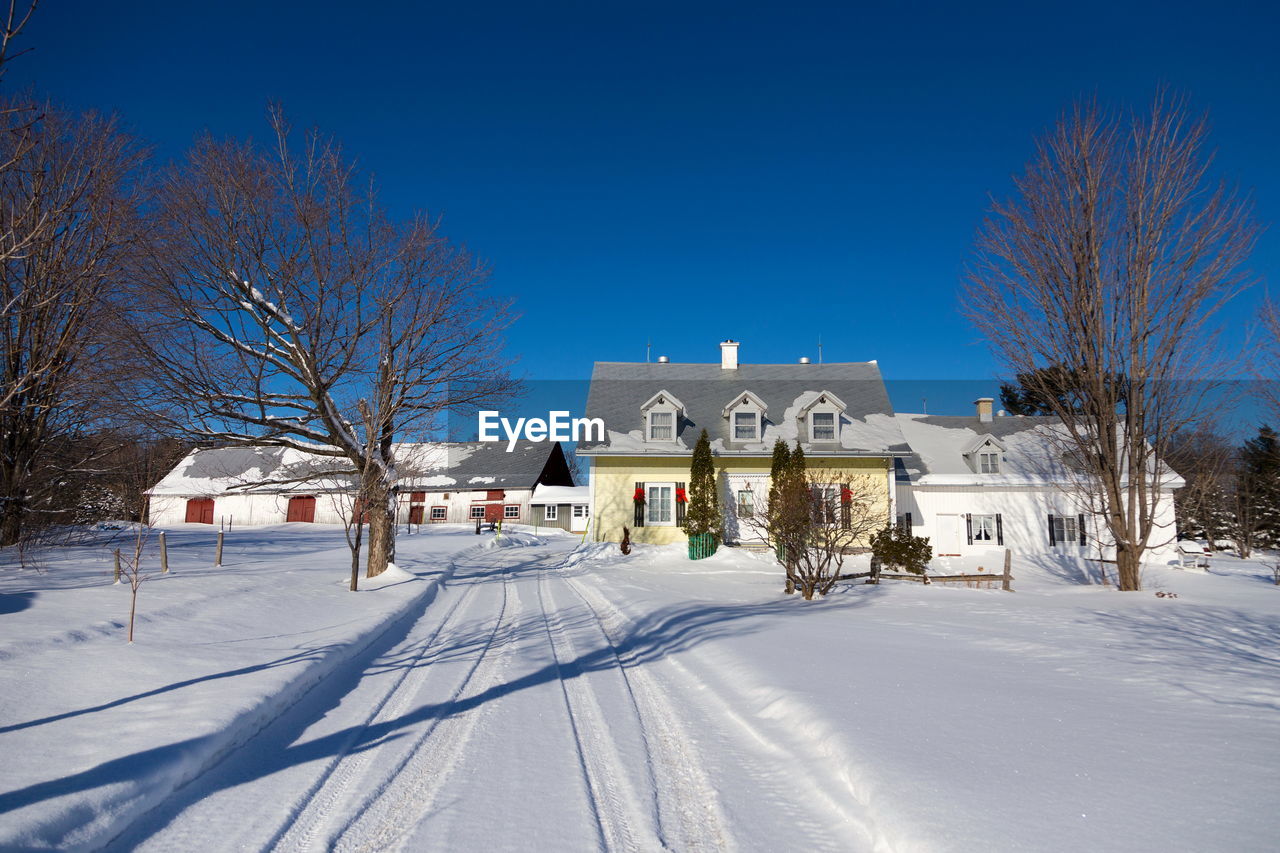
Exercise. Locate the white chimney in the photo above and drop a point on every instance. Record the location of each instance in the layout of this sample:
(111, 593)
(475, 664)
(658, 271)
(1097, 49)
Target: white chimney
(984, 405)
(728, 355)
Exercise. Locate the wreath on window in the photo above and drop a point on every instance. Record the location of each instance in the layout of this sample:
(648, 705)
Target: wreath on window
(680, 498)
(638, 497)
(846, 495)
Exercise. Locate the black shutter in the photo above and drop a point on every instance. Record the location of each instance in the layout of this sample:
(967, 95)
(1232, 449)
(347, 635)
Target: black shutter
(908, 522)
(1051, 539)
(968, 527)
(679, 506)
(639, 516)
(1080, 521)
(999, 530)
(846, 508)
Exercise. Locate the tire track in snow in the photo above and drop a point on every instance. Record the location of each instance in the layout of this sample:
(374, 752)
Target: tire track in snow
(386, 818)
(778, 743)
(318, 807)
(614, 800)
(688, 809)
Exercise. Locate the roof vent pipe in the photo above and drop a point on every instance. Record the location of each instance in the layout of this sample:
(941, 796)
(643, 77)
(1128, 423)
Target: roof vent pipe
(662, 359)
(804, 359)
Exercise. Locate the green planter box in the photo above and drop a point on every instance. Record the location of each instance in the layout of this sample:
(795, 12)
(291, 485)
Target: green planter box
(701, 545)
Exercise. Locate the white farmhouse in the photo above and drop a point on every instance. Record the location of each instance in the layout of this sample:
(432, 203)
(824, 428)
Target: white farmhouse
(980, 482)
(440, 482)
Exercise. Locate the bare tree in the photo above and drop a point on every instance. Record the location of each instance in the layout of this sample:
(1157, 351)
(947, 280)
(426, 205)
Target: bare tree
(285, 308)
(71, 191)
(1112, 261)
(815, 519)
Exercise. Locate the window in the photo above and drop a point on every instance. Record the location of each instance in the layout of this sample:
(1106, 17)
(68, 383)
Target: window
(822, 426)
(826, 504)
(662, 426)
(551, 512)
(511, 511)
(989, 462)
(984, 528)
(744, 426)
(1066, 530)
(477, 511)
(659, 503)
(581, 511)
(746, 503)
(438, 513)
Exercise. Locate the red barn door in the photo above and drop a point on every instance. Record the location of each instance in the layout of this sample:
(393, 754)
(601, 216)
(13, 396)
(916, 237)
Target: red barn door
(302, 509)
(200, 511)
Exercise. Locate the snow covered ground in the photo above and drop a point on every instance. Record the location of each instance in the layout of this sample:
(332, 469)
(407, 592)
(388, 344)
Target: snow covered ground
(534, 697)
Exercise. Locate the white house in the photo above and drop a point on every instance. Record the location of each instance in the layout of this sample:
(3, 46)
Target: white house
(565, 507)
(440, 482)
(984, 481)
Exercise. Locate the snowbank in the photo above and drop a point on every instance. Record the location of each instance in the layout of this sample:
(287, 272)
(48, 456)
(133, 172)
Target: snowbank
(513, 539)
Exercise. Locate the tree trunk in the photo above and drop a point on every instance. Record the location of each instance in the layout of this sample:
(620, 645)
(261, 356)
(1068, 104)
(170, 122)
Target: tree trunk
(382, 532)
(1128, 566)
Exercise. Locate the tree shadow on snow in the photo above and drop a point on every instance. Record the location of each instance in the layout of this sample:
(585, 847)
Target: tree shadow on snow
(278, 746)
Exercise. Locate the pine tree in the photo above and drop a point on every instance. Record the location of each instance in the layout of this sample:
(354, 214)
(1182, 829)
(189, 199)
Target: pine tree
(703, 515)
(778, 467)
(1260, 483)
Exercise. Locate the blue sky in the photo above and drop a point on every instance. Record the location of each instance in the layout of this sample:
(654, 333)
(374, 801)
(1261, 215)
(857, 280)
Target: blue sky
(686, 172)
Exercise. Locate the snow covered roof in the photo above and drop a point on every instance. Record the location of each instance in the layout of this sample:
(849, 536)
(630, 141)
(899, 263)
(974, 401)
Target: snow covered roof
(1032, 451)
(561, 495)
(619, 390)
(429, 466)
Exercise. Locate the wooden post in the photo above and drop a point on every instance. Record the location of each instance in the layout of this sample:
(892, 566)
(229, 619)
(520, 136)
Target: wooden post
(217, 559)
(1007, 580)
(117, 556)
(164, 554)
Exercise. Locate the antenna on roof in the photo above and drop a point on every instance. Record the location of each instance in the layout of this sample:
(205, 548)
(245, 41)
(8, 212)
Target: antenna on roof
(819, 349)
(924, 405)
(648, 345)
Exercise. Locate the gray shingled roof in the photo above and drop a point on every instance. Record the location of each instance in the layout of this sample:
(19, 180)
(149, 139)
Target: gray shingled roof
(938, 444)
(619, 389)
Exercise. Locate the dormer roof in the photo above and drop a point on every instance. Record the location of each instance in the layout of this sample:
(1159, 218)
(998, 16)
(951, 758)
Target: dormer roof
(745, 397)
(663, 398)
(823, 398)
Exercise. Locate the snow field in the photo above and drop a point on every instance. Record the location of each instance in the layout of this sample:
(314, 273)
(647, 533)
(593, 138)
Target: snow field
(96, 732)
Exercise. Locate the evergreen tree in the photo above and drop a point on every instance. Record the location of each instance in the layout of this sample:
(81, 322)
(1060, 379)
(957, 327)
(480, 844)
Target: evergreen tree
(1260, 486)
(778, 467)
(703, 513)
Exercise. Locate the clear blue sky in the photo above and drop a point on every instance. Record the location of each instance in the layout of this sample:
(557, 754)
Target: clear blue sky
(686, 172)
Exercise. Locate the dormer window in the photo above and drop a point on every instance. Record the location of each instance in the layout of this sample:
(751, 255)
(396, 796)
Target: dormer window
(661, 416)
(662, 426)
(983, 454)
(746, 417)
(822, 426)
(823, 415)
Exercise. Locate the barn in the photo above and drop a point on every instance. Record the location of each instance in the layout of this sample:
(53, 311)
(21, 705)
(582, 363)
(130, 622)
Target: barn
(440, 482)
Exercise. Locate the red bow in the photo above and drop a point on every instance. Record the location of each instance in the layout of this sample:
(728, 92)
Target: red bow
(638, 497)
(680, 498)
(846, 496)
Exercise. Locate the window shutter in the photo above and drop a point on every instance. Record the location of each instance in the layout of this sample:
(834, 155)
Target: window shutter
(638, 521)
(908, 522)
(1051, 540)
(1080, 521)
(679, 506)
(846, 507)
(999, 530)
(968, 527)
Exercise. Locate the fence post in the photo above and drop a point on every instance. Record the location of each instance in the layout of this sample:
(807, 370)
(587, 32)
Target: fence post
(164, 554)
(1008, 571)
(117, 556)
(217, 558)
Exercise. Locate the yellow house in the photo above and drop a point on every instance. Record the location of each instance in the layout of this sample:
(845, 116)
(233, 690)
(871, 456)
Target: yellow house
(653, 414)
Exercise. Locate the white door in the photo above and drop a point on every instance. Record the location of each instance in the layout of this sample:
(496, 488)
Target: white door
(744, 500)
(948, 536)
